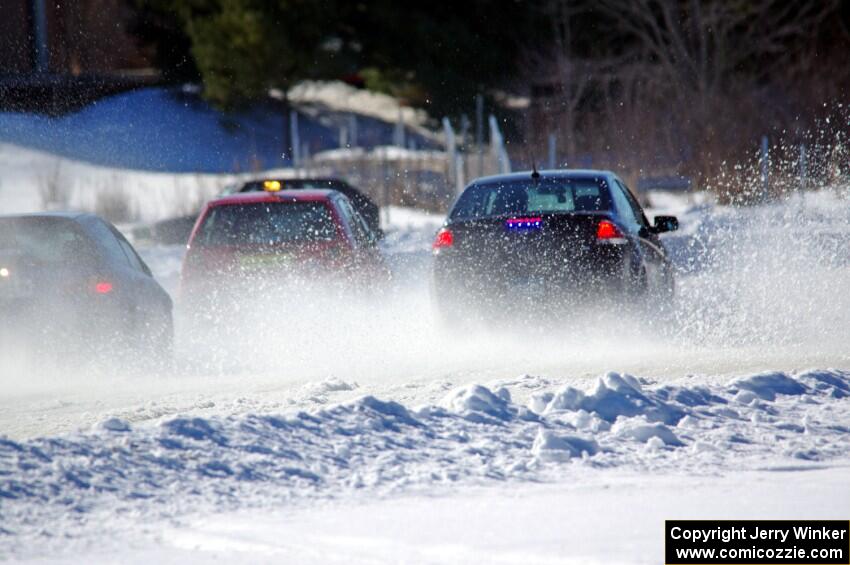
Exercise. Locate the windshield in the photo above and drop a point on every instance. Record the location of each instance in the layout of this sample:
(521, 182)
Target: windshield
(533, 197)
(267, 223)
(45, 240)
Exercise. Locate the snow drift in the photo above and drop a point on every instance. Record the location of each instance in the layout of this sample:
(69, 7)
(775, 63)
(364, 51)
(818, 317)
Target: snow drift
(119, 476)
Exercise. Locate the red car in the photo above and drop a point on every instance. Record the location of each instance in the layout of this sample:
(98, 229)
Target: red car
(279, 236)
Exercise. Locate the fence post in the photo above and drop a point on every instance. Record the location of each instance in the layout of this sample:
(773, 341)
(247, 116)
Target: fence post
(305, 158)
(398, 134)
(384, 169)
(803, 175)
(295, 139)
(460, 181)
(765, 168)
(451, 150)
(497, 147)
(352, 130)
(479, 132)
(553, 160)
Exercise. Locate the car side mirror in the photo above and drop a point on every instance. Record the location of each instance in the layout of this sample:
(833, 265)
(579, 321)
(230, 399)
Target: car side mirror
(665, 224)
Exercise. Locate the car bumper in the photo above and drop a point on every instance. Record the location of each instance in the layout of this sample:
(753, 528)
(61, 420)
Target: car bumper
(61, 327)
(505, 290)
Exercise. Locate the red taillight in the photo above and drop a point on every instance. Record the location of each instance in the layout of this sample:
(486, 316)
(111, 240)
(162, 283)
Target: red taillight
(609, 232)
(103, 287)
(445, 238)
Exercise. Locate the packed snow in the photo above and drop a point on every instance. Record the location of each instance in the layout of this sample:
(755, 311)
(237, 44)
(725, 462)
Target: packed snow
(77, 490)
(609, 518)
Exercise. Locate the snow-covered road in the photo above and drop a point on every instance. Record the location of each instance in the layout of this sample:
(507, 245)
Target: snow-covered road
(361, 431)
(754, 295)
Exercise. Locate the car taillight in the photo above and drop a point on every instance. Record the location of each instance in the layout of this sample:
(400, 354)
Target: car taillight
(608, 232)
(103, 287)
(445, 238)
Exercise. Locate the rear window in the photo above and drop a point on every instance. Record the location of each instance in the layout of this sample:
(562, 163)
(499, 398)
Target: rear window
(267, 223)
(544, 196)
(46, 240)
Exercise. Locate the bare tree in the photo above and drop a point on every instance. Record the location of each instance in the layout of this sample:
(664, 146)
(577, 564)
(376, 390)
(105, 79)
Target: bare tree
(560, 81)
(698, 46)
(678, 86)
(52, 188)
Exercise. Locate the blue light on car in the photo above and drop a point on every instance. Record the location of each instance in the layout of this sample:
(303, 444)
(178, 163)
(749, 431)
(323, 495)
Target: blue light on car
(524, 224)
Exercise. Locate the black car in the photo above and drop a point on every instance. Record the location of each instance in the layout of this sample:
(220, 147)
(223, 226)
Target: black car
(362, 203)
(546, 241)
(71, 283)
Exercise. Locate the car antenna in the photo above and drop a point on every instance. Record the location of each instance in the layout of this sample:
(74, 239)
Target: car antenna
(535, 174)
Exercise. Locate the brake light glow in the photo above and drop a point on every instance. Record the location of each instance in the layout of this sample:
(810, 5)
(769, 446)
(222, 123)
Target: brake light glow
(524, 224)
(103, 287)
(608, 232)
(445, 238)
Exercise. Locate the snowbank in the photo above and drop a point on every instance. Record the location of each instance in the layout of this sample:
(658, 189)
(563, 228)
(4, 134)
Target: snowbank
(32, 181)
(343, 97)
(65, 486)
(175, 130)
(160, 129)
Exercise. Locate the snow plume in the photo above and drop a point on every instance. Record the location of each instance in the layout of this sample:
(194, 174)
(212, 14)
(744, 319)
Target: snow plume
(766, 277)
(120, 475)
(757, 288)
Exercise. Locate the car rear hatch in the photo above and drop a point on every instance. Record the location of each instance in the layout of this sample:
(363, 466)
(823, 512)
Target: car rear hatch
(241, 260)
(266, 238)
(45, 265)
(519, 250)
(17, 279)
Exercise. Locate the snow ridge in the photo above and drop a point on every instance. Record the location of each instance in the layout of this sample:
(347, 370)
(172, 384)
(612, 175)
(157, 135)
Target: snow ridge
(76, 485)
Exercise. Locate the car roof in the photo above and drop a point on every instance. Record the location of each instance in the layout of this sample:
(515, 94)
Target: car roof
(259, 196)
(83, 220)
(294, 181)
(65, 214)
(545, 174)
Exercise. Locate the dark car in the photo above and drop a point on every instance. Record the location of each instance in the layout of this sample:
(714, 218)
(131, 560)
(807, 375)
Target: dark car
(71, 283)
(362, 203)
(248, 243)
(545, 241)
